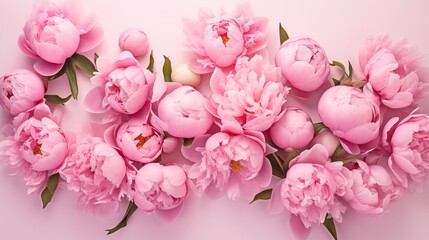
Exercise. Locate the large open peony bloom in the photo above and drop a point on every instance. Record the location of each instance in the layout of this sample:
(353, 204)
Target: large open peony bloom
(250, 98)
(218, 41)
(55, 31)
(232, 163)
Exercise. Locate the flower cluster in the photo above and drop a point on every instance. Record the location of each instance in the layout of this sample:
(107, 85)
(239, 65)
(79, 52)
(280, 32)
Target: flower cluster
(227, 137)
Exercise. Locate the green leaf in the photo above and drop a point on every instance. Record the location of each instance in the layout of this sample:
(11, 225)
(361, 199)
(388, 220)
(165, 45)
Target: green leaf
(166, 69)
(50, 189)
(264, 195)
(84, 64)
(350, 71)
(318, 127)
(96, 57)
(71, 76)
(342, 67)
(187, 142)
(330, 226)
(339, 152)
(132, 207)
(276, 166)
(283, 34)
(336, 82)
(58, 74)
(55, 99)
(151, 62)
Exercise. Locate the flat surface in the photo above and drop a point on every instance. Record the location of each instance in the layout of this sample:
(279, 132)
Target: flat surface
(339, 26)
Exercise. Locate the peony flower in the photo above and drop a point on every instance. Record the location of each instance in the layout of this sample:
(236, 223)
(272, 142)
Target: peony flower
(122, 85)
(160, 188)
(21, 90)
(232, 163)
(312, 187)
(408, 143)
(390, 70)
(251, 97)
(183, 114)
(183, 75)
(293, 130)
(135, 41)
(96, 171)
(217, 41)
(137, 140)
(303, 63)
(372, 189)
(350, 114)
(37, 148)
(55, 31)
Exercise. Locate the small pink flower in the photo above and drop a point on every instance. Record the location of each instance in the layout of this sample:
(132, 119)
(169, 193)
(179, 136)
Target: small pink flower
(251, 97)
(183, 114)
(232, 163)
(372, 188)
(37, 148)
(160, 188)
(21, 90)
(303, 63)
(293, 130)
(55, 31)
(218, 41)
(96, 171)
(135, 41)
(390, 70)
(350, 114)
(122, 85)
(408, 142)
(137, 140)
(313, 187)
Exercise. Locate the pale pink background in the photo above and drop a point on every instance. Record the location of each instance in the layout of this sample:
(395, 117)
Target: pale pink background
(339, 26)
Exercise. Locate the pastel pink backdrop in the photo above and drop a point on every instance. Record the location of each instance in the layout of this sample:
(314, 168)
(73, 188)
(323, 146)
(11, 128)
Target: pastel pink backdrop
(339, 26)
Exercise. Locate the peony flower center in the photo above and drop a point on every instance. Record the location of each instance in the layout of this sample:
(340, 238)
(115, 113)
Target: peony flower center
(235, 166)
(141, 140)
(225, 39)
(37, 149)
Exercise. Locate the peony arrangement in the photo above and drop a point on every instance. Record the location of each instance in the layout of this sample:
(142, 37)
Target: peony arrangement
(156, 137)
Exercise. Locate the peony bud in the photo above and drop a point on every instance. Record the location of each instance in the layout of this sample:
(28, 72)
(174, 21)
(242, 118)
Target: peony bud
(135, 41)
(183, 75)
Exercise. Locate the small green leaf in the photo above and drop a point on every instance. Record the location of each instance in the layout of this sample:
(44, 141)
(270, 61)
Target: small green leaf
(71, 75)
(283, 34)
(132, 207)
(336, 82)
(330, 226)
(58, 74)
(166, 69)
(96, 57)
(342, 67)
(50, 189)
(339, 152)
(187, 142)
(318, 127)
(264, 195)
(276, 166)
(84, 64)
(151, 62)
(55, 99)
(350, 71)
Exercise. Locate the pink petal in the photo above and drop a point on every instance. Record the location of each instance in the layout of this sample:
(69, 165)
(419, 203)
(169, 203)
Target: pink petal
(299, 231)
(191, 153)
(349, 147)
(47, 69)
(91, 39)
(264, 175)
(93, 100)
(23, 45)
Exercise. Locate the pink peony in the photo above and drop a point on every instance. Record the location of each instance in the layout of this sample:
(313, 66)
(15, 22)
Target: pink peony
(160, 188)
(313, 187)
(122, 85)
(182, 113)
(55, 31)
(135, 41)
(293, 130)
(390, 70)
(252, 97)
(303, 63)
(326, 138)
(408, 142)
(350, 114)
(21, 90)
(232, 163)
(218, 41)
(137, 140)
(37, 148)
(372, 188)
(96, 171)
